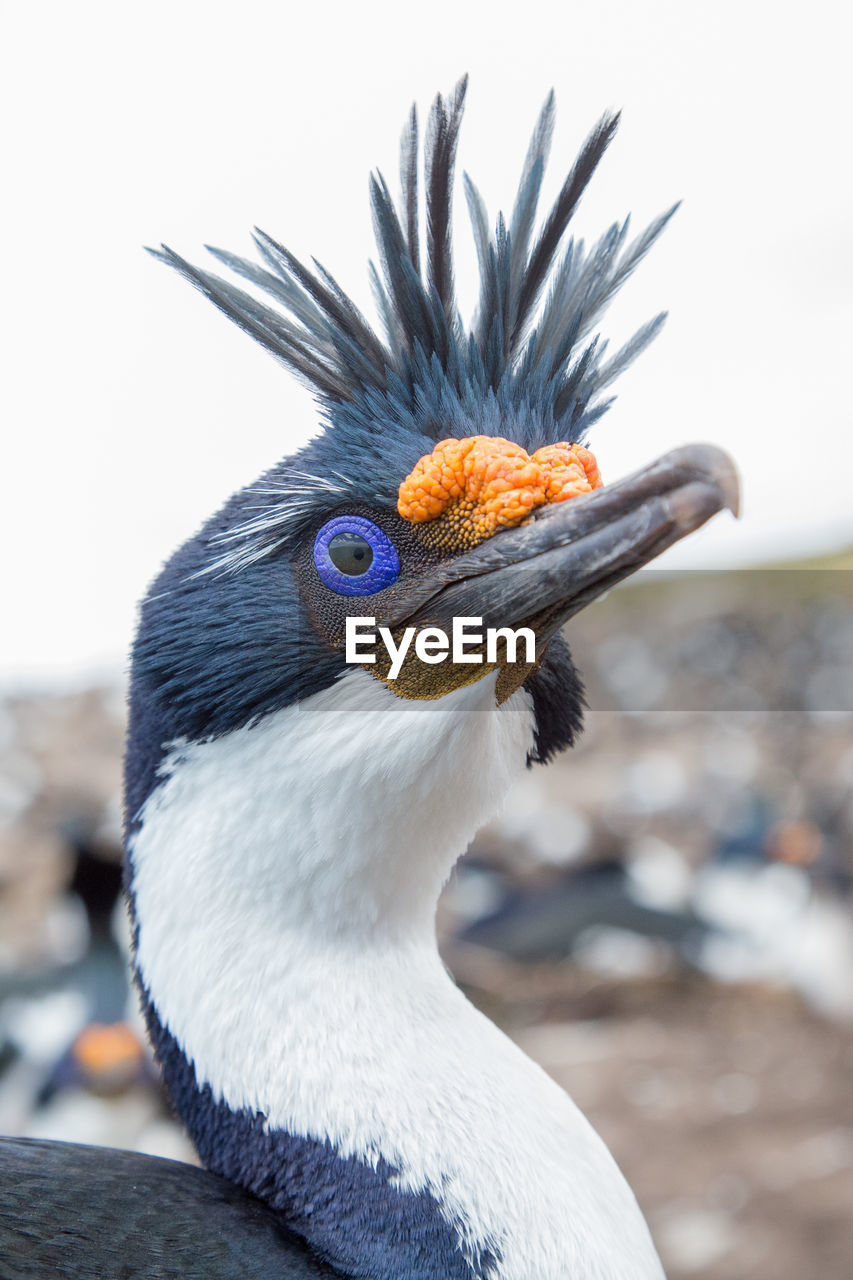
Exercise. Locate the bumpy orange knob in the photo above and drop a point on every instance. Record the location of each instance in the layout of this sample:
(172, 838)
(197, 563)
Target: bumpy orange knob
(486, 483)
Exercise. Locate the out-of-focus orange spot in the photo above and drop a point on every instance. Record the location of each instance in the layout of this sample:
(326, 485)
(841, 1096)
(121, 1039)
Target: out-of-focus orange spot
(485, 483)
(99, 1049)
(797, 843)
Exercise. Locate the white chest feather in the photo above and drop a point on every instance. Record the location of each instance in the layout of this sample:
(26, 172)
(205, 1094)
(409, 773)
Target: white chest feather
(285, 879)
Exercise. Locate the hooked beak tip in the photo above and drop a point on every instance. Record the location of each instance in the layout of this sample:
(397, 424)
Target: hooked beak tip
(713, 467)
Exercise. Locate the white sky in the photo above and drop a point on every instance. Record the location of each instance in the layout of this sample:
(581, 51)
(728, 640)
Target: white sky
(131, 408)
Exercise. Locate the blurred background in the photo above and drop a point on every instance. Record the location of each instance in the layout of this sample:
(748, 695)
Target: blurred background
(663, 917)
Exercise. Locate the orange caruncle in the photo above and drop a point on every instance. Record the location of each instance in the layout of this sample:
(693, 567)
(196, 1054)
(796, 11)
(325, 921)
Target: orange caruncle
(486, 483)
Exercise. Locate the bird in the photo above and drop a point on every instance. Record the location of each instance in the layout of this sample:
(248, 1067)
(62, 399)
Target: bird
(62, 1027)
(550, 921)
(294, 807)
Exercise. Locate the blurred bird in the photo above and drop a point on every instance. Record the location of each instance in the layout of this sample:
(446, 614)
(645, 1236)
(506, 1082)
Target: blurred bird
(62, 1026)
(549, 921)
(292, 816)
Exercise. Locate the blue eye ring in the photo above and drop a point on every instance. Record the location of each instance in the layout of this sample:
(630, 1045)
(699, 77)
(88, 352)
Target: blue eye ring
(384, 568)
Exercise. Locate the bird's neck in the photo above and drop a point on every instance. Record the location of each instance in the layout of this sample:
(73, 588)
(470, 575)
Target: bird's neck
(335, 821)
(284, 882)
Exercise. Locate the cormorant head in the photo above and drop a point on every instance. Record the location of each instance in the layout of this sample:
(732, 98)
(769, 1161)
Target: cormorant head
(450, 479)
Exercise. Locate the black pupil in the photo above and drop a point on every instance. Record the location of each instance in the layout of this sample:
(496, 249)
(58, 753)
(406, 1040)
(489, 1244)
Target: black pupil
(350, 553)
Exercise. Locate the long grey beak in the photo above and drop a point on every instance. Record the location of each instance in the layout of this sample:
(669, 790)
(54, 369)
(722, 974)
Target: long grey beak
(542, 573)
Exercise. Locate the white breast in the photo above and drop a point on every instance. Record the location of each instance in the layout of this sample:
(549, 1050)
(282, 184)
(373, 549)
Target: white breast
(285, 878)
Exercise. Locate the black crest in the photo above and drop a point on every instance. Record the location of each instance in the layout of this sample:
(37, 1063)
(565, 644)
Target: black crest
(529, 347)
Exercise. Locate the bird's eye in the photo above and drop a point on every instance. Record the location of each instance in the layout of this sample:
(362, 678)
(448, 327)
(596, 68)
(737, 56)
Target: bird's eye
(351, 553)
(354, 557)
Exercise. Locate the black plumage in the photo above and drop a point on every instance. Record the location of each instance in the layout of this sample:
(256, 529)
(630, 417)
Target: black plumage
(97, 1214)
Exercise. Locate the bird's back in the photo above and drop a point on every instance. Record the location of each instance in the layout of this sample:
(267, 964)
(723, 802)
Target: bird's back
(88, 1213)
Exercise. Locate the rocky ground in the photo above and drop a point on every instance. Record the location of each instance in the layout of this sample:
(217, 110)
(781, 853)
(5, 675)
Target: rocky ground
(662, 918)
